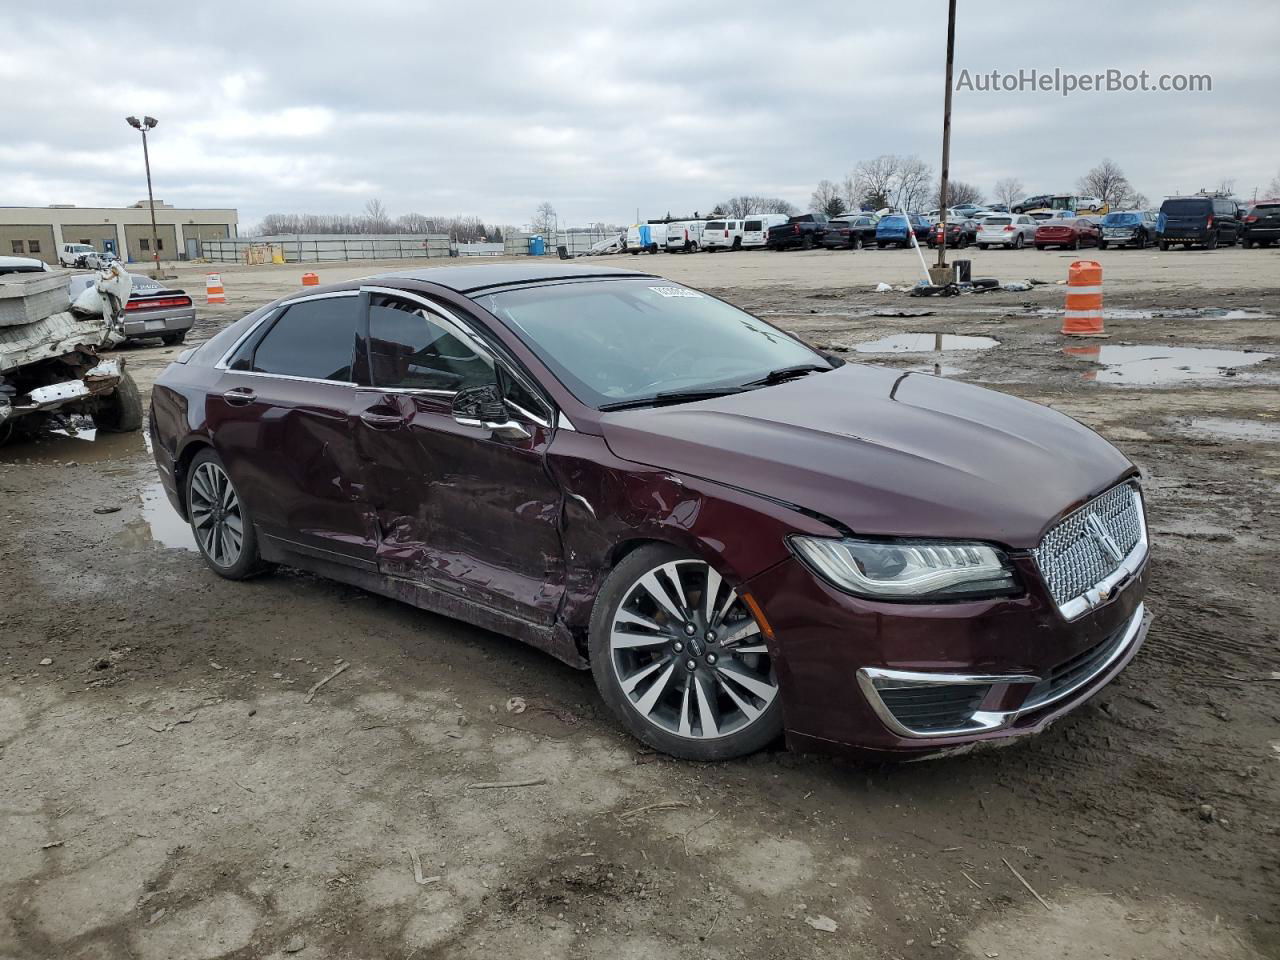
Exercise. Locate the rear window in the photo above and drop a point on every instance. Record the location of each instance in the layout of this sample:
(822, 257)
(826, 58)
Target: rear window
(893, 221)
(715, 225)
(1265, 209)
(1121, 219)
(1186, 208)
(315, 339)
(753, 225)
(997, 221)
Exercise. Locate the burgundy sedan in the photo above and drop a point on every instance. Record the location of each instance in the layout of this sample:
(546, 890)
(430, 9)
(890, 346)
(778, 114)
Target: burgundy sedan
(739, 535)
(1067, 234)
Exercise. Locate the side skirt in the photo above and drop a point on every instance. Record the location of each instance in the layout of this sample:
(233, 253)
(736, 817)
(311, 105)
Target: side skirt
(554, 639)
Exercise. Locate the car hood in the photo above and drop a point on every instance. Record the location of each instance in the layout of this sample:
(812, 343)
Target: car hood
(883, 452)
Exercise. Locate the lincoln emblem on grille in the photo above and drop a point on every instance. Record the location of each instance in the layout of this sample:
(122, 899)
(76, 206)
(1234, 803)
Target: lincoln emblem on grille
(1102, 537)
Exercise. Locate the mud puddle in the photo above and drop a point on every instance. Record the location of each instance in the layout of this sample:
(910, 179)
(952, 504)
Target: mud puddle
(1153, 366)
(1222, 428)
(925, 343)
(158, 524)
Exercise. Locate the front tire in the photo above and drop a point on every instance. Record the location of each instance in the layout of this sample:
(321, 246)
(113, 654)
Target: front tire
(659, 611)
(219, 520)
(121, 410)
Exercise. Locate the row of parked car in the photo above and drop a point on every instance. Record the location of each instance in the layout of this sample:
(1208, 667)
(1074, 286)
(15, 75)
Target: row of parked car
(1181, 221)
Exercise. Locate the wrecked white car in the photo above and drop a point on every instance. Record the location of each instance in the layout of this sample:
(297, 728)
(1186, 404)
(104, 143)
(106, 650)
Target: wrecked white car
(49, 352)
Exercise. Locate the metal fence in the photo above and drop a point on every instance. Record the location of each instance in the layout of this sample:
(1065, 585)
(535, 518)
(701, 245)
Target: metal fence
(322, 249)
(335, 248)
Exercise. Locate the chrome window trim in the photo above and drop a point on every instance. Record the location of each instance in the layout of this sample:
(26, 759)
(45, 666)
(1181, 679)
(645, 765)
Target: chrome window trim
(564, 423)
(289, 376)
(531, 416)
(986, 720)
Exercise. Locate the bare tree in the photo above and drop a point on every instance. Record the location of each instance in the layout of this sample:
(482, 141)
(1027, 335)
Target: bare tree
(375, 215)
(1008, 190)
(544, 218)
(1107, 182)
(958, 192)
(826, 199)
(889, 180)
(1273, 188)
(746, 204)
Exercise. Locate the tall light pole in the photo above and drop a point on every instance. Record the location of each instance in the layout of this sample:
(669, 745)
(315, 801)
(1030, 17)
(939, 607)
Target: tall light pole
(145, 124)
(946, 136)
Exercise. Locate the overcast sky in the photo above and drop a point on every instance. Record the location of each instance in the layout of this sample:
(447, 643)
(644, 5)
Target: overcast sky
(489, 108)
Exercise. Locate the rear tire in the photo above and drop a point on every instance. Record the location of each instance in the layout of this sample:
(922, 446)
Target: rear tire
(1212, 242)
(213, 514)
(1102, 245)
(1041, 246)
(173, 339)
(1142, 241)
(856, 244)
(1248, 244)
(982, 246)
(681, 711)
(806, 243)
(121, 410)
(1018, 242)
(1164, 245)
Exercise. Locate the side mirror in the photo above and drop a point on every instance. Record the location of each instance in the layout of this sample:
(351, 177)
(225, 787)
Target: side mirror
(483, 407)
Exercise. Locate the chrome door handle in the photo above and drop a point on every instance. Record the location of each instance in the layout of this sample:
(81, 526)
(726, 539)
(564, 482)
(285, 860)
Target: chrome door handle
(239, 396)
(381, 421)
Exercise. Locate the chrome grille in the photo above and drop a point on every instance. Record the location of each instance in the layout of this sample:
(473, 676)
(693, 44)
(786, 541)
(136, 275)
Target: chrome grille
(1074, 556)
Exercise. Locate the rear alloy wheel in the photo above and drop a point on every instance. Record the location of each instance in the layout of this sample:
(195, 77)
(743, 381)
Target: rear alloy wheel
(219, 521)
(1018, 241)
(681, 660)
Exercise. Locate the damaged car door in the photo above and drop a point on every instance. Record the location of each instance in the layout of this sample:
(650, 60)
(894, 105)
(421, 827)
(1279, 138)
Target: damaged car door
(280, 418)
(455, 463)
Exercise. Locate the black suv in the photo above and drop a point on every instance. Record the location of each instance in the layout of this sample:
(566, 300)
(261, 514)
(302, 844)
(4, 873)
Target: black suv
(1262, 225)
(1033, 203)
(1205, 220)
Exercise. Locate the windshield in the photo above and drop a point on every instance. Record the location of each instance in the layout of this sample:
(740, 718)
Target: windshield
(616, 340)
(1121, 219)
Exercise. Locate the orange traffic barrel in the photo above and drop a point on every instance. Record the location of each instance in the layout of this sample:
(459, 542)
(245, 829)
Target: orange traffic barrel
(310, 280)
(1083, 317)
(213, 292)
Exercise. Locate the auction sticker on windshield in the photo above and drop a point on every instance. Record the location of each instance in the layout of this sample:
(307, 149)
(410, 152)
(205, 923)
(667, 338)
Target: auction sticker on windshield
(676, 292)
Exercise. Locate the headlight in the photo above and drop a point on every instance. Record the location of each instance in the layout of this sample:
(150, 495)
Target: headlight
(909, 569)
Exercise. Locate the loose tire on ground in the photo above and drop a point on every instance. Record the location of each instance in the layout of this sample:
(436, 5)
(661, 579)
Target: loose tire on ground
(121, 410)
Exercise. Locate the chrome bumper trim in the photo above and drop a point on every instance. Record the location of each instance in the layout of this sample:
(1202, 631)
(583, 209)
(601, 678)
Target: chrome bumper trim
(984, 721)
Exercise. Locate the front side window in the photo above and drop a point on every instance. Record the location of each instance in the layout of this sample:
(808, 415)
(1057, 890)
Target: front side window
(614, 341)
(313, 339)
(412, 348)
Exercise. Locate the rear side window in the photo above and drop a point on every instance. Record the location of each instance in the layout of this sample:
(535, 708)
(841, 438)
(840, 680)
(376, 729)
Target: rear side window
(412, 348)
(314, 339)
(1186, 208)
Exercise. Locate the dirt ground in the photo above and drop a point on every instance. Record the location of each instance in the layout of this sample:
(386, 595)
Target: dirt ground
(167, 790)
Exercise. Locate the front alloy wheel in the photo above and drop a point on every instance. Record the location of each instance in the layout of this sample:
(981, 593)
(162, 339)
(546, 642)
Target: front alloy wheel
(681, 659)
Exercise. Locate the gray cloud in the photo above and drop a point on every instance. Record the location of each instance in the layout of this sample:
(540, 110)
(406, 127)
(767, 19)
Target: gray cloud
(490, 108)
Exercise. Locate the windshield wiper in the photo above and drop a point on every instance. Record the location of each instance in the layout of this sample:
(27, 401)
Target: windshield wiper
(783, 374)
(671, 396)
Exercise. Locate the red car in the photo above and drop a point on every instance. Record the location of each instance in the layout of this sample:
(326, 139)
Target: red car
(1067, 234)
(738, 534)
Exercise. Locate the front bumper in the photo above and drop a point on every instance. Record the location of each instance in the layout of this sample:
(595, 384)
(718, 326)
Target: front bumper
(158, 323)
(1021, 663)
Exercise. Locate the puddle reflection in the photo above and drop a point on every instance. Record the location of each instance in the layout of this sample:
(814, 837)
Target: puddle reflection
(1159, 365)
(926, 343)
(159, 523)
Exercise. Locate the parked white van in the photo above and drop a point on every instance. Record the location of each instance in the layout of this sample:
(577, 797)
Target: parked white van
(755, 228)
(722, 235)
(685, 236)
(646, 238)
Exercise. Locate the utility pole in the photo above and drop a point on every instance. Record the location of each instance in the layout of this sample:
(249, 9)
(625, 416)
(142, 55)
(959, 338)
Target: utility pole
(946, 135)
(143, 125)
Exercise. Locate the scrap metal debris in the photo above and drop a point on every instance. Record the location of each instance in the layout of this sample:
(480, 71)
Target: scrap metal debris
(823, 923)
(504, 784)
(516, 705)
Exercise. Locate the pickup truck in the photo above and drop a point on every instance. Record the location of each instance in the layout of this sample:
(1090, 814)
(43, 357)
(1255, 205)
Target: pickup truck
(804, 231)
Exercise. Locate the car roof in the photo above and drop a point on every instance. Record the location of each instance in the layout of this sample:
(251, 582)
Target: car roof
(483, 276)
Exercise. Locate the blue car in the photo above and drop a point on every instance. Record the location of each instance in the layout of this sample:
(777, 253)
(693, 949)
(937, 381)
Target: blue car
(893, 230)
